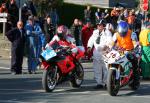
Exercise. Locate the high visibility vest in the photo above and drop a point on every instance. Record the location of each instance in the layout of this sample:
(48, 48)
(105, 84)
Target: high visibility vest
(125, 42)
(143, 37)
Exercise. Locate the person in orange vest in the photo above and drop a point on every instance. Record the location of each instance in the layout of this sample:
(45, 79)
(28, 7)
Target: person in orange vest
(125, 39)
(144, 39)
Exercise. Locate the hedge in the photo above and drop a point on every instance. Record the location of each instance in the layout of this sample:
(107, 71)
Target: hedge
(68, 12)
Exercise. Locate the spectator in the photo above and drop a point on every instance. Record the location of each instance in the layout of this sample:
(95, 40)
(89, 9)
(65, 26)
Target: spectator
(138, 23)
(87, 13)
(87, 31)
(49, 29)
(145, 21)
(107, 16)
(121, 16)
(32, 8)
(145, 43)
(3, 8)
(114, 17)
(41, 39)
(13, 12)
(131, 19)
(54, 16)
(125, 13)
(98, 15)
(33, 30)
(17, 38)
(25, 13)
(100, 40)
(75, 31)
(80, 29)
(80, 24)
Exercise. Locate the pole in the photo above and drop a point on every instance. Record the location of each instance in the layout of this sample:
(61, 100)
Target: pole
(4, 29)
(20, 11)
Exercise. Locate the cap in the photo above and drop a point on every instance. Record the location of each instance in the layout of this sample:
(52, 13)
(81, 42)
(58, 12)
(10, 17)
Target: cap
(101, 22)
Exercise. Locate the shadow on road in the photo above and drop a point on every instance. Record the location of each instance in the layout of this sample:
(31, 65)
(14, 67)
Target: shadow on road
(29, 88)
(144, 90)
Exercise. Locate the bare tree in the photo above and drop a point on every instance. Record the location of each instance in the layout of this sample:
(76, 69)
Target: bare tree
(44, 6)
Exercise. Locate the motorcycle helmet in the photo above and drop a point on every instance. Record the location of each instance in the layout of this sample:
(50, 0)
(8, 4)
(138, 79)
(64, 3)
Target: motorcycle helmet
(61, 31)
(122, 28)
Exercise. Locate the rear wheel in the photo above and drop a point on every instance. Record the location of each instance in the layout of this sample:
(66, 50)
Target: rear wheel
(112, 83)
(135, 84)
(78, 76)
(49, 79)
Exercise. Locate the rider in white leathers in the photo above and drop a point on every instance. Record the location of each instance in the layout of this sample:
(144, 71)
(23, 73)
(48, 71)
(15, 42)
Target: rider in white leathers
(101, 40)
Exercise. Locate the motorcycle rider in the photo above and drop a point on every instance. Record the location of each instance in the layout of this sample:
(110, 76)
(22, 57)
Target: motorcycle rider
(62, 37)
(100, 39)
(124, 39)
(62, 34)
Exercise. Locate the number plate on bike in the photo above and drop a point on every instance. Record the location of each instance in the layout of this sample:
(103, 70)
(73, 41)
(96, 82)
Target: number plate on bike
(48, 54)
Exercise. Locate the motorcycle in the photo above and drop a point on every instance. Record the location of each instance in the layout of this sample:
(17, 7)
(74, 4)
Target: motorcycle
(61, 63)
(120, 70)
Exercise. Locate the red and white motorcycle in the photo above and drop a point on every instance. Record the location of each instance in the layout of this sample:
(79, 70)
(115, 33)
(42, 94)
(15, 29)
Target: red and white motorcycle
(120, 70)
(61, 63)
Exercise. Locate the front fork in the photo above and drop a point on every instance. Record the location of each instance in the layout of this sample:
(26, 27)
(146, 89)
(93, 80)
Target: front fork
(117, 76)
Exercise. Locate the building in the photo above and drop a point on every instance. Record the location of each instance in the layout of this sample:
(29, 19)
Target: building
(104, 3)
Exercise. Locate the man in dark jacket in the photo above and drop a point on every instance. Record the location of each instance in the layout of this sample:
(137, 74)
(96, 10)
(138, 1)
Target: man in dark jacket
(17, 38)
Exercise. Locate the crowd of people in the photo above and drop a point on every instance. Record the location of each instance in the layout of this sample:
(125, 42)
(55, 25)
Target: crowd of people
(120, 27)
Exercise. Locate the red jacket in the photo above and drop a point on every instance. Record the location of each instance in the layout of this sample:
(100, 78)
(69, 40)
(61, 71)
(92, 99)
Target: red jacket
(86, 34)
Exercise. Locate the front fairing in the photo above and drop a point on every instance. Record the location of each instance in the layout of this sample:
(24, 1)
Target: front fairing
(114, 57)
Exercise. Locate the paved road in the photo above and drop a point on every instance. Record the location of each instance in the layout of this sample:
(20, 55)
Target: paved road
(27, 88)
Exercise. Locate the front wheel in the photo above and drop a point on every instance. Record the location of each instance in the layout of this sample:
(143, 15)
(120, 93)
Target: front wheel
(49, 79)
(112, 83)
(78, 76)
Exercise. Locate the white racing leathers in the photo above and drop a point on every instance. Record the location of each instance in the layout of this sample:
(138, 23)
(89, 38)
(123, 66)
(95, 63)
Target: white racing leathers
(100, 70)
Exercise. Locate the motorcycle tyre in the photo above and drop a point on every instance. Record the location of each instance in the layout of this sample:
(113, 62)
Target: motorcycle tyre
(135, 83)
(110, 89)
(73, 81)
(45, 80)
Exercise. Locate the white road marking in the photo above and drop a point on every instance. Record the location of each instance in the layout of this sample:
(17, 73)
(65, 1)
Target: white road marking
(4, 68)
(148, 96)
(7, 68)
